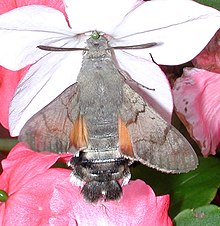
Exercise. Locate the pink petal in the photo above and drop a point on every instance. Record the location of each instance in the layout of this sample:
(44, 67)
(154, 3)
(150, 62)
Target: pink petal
(28, 164)
(138, 206)
(196, 98)
(7, 5)
(8, 83)
(29, 183)
(209, 58)
(30, 205)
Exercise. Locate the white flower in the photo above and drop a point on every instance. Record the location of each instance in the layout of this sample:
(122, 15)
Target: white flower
(181, 28)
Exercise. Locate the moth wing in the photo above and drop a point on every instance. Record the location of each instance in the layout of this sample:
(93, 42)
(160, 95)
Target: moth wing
(154, 141)
(50, 128)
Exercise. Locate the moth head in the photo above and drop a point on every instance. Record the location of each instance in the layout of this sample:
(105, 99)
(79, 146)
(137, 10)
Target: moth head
(95, 35)
(97, 42)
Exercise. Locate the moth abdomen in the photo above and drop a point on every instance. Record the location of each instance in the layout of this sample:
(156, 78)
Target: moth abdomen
(101, 171)
(99, 165)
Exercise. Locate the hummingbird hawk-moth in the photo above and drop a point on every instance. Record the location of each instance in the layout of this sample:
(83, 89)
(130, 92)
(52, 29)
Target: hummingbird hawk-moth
(106, 125)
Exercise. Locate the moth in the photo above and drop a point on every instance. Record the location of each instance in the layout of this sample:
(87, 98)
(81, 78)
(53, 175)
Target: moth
(107, 126)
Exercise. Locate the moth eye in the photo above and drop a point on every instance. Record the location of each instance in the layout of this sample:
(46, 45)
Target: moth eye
(95, 35)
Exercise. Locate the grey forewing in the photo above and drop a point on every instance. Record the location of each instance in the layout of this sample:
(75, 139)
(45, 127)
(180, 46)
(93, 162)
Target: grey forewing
(155, 142)
(49, 129)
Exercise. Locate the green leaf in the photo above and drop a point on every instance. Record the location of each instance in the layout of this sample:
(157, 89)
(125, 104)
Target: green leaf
(7, 144)
(206, 215)
(187, 190)
(212, 3)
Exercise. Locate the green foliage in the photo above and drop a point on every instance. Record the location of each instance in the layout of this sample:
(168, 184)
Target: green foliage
(188, 190)
(7, 144)
(208, 215)
(213, 3)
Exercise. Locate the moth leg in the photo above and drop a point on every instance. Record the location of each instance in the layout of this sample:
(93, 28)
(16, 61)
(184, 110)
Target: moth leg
(130, 81)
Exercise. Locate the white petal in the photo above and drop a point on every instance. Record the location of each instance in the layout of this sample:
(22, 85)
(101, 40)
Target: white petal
(23, 29)
(149, 75)
(45, 80)
(105, 16)
(182, 28)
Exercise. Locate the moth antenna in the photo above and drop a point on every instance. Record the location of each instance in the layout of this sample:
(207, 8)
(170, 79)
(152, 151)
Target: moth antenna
(140, 46)
(59, 49)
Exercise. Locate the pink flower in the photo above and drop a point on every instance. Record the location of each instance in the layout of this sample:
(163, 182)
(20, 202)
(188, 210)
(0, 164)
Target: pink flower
(7, 5)
(138, 206)
(29, 183)
(8, 82)
(196, 98)
(40, 195)
(134, 22)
